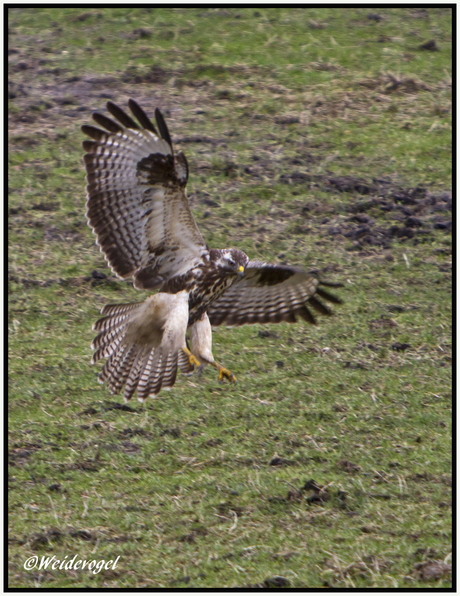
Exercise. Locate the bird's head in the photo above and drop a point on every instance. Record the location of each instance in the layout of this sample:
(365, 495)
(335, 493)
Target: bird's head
(232, 261)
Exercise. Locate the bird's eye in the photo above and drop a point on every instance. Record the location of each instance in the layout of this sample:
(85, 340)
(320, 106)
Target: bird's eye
(231, 262)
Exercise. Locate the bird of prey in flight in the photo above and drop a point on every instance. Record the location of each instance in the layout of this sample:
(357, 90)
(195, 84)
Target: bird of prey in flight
(138, 210)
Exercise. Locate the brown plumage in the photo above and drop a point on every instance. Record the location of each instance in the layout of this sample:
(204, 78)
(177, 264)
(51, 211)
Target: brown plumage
(271, 294)
(138, 209)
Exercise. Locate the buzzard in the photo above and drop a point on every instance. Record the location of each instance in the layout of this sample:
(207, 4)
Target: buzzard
(138, 210)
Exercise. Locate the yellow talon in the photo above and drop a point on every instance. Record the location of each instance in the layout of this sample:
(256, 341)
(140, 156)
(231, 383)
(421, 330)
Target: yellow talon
(223, 372)
(192, 360)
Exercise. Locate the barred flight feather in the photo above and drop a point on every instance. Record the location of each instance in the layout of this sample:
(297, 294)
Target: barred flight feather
(155, 375)
(125, 164)
(107, 349)
(170, 371)
(106, 337)
(135, 374)
(143, 386)
(270, 293)
(107, 323)
(112, 363)
(117, 377)
(121, 116)
(116, 309)
(139, 113)
(184, 364)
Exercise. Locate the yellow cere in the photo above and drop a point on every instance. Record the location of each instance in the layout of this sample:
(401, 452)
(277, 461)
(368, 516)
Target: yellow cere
(240, 269)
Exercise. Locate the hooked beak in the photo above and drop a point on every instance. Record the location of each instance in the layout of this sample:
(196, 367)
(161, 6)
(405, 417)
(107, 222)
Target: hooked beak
(241, 271)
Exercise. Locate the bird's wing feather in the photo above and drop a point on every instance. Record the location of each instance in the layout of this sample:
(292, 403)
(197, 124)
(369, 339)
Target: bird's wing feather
(270, 294)
(136, 200)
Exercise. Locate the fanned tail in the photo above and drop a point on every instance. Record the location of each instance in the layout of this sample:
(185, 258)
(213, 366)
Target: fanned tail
(146, 363)
(159, 372)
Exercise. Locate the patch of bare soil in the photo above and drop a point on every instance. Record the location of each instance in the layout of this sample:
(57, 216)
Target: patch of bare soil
(381, 211)
(20, 453)
(49, 537)
(271, 583)
(390, 83)
(432, 570)
(43, 91)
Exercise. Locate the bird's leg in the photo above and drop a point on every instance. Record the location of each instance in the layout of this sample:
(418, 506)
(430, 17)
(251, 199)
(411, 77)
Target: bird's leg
(201, 342)
(192, 360)
(224, 372)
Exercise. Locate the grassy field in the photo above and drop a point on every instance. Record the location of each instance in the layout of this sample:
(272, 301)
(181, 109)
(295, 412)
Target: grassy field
(317, 137)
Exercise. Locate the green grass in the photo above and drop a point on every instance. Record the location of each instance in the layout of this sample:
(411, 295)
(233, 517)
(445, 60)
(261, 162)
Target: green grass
(302, 127)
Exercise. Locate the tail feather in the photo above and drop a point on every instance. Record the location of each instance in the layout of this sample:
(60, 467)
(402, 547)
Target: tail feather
(143, 386)
(110, 321)
(143, 344)
(114, 359)
(105, 338)
(107, 349)
(118, 309)
(135, 374)
(120, 374)
(111, 331)
(184, 364)
(155, 375)
(169, 371)
(158, 371)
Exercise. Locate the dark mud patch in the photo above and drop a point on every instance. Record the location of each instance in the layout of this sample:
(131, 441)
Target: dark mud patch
(432, 570)
(20, 454)
(390, 83)
(379, 212)
(55, 234)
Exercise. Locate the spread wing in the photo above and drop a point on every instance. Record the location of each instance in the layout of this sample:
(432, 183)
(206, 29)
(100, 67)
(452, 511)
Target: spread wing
(136, 200)
(271, 294)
